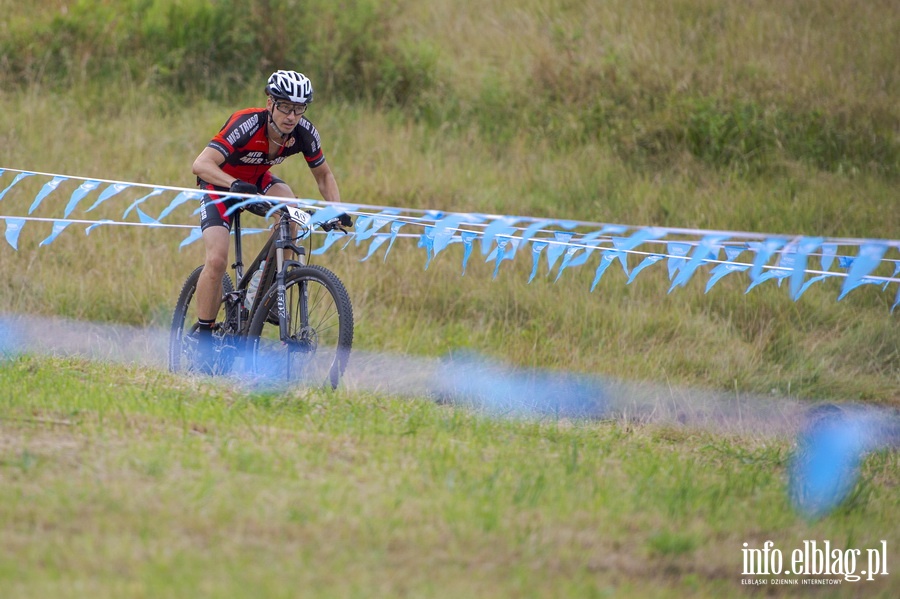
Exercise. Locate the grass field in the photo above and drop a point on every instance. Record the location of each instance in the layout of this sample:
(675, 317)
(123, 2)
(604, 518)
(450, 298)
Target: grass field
(119, 480)
(123, 481)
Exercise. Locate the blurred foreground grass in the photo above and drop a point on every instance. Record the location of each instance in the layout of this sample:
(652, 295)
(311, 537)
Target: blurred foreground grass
(122, 481)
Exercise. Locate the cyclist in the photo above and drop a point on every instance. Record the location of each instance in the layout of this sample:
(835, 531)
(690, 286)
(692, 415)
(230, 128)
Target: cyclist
(238, 159)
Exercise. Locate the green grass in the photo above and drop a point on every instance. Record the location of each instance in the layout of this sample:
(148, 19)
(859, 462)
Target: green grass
(816, 347)
(122, 481)
(736, 89)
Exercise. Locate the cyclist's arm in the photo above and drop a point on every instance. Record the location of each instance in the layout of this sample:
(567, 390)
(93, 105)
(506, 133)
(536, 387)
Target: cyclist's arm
(328, 186)
(208, 166)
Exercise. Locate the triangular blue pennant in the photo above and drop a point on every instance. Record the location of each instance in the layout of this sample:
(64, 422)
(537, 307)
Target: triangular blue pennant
(146, 218)
(707, 249)
(568, 257)
(536, 248)
(677, 252)
(829, 251)
(805, 247)
(58, 227)
(468, 241)
(13, 228)
(330, 238)
(809, 283)
(639, 237)
(46, 190)
(195, 234)
(556, 248)
(446, 228)
(426, 240)
(108, 193)
(866, 261)
(651, 259)
(605, 260)
(731, 254)
(500, 226)
(786, 264)
(579, 251)
(506, 249)
(330, 212)
(779, 272)
(764, 251)
(536, 227)
(376, 243)
(181, 198)
(619, 243)
(544, 225)
(139, 201)
(395, 230)
(18, 178)
(361, 226)
(377, 222)
(80, 192)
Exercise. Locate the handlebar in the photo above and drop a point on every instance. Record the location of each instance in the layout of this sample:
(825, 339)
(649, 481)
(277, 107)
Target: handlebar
(302, 218)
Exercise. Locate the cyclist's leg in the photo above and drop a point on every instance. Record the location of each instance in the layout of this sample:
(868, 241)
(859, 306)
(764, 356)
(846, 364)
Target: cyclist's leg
(209, 287)
(271, 185)
(216, 229)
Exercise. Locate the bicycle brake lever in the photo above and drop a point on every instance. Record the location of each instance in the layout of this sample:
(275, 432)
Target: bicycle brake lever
(333, 224)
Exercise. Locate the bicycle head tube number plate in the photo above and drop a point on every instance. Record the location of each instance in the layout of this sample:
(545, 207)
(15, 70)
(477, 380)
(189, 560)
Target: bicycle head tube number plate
(301, 217)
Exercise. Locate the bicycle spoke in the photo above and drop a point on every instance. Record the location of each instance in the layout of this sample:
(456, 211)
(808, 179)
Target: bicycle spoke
(319, 335)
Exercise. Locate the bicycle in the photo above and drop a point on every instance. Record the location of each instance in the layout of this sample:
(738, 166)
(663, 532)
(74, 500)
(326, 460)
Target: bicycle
(297, 326)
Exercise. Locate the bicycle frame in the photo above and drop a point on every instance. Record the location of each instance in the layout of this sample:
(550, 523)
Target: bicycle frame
(273, 252)
(301, 316)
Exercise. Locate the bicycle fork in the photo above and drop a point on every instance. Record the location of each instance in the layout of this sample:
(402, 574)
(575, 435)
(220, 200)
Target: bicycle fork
(285, 241)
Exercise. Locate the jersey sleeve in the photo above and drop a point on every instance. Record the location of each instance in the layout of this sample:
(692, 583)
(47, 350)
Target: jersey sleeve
(236, 133)
(310, 143)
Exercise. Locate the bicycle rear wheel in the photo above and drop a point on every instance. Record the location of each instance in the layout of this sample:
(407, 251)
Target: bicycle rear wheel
(319, 329)
(183, 346)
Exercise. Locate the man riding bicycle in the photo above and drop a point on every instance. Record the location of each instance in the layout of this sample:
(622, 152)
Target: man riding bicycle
(238, 159)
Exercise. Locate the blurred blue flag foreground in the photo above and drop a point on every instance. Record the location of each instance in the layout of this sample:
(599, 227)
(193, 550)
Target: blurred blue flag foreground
(831, 446)
(488, 385)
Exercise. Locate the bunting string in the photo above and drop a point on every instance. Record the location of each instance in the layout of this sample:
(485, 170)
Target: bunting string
(559, 244)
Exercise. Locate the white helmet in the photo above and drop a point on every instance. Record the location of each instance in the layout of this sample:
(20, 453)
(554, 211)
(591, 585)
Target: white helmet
(291, 86)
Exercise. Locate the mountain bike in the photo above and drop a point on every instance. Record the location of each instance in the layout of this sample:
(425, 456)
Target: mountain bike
(297, 326)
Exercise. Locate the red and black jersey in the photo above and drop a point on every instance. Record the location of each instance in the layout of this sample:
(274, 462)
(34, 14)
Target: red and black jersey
(245, 146)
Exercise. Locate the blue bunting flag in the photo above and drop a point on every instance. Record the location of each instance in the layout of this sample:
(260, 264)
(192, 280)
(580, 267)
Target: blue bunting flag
(13, 228)
(46, 190)
(566, 243)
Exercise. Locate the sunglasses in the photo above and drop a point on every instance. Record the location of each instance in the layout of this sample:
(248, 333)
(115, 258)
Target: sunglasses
(285, 108)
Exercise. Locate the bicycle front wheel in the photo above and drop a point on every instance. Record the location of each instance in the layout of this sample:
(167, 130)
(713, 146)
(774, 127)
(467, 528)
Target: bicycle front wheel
(319, 319)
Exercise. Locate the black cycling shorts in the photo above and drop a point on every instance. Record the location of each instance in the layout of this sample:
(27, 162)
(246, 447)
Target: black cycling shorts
(212, 213)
